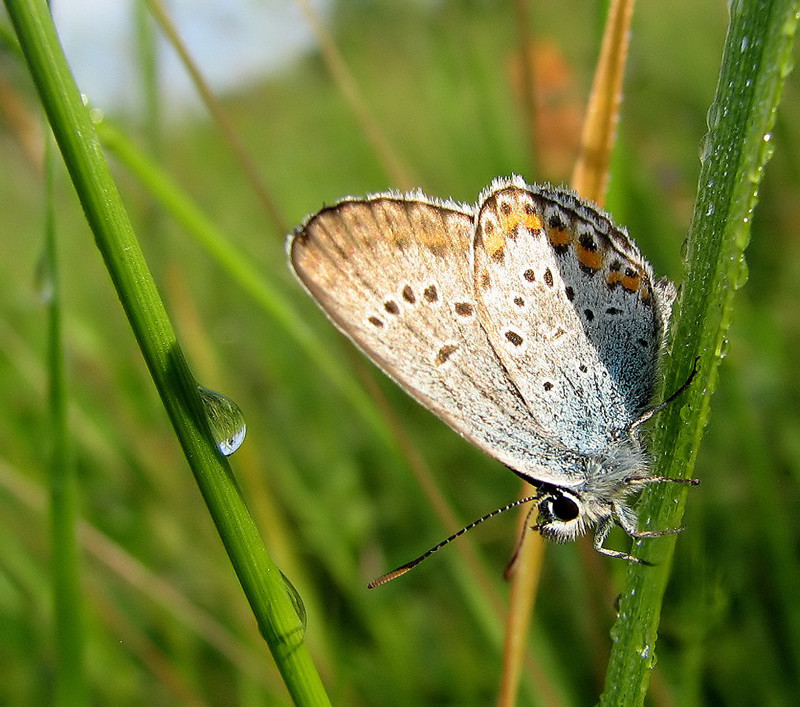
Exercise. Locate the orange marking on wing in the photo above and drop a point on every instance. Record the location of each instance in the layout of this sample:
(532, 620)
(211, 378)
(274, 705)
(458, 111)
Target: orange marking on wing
(532, 222)
(592, 259)
(432, 235)
(494, 242)
(511, 221)
(631, 283)
(559, 236)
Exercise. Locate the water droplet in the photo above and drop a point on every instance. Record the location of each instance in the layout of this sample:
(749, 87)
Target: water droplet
(713, 116)
(225, 419)
(297, 601)
(710, 210)
(685, 249)
(645, 652)
(743, 275)
(706, 147)
(43, 278)
(723, 348)
(768, 150)
(745, 43)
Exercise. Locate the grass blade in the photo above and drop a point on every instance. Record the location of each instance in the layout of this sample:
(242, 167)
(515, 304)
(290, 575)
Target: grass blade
(755, 63)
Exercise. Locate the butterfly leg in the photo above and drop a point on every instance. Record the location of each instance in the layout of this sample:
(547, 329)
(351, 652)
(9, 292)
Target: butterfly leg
(604, 528)
(645, 480)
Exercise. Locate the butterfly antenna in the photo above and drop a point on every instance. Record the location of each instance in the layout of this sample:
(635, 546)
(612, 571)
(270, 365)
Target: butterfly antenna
(394, 574)
(658, 408)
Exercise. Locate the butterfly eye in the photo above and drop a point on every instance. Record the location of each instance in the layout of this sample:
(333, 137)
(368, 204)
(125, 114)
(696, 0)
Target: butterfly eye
(564, 509)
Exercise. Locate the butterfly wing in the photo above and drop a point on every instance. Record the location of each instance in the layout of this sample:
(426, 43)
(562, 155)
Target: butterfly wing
(571, 310)
(394, 273)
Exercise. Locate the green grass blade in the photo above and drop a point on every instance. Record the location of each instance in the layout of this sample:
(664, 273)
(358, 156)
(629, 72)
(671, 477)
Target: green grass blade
(264, 586)
(756, 60)
(70, 680)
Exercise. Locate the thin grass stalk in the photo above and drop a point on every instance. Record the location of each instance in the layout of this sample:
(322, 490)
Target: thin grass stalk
(70, 676)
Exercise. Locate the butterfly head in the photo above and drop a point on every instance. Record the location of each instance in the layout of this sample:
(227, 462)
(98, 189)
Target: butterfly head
(565, 514)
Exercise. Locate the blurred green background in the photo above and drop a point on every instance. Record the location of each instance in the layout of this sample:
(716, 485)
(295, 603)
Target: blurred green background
(338, 505)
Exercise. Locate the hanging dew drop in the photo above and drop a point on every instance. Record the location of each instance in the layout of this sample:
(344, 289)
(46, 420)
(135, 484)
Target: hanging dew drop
(297, 601)
(45, 286)
(706, 147)
(743, 273)
(225, 419)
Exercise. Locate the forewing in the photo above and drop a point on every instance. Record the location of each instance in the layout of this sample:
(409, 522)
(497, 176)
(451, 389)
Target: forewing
(570, 307)
(394, 273)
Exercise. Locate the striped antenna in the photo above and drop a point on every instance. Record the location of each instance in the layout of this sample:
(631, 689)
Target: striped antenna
(394, 574)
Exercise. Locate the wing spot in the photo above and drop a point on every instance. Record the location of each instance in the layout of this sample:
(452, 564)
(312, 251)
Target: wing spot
(642, 343)
(613, 310)
(391, 307)
(445, 352)
(408, 295)
(529, 275)
(570, 293)
(548, 278)
(548, 386)
(375, 321)
(583, 368)
(587, 242)
(519, 301)
(589, 314)
(430, 293)
(464, 309)
(514, 338)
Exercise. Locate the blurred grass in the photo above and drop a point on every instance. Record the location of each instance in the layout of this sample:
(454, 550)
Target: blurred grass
(337, 505)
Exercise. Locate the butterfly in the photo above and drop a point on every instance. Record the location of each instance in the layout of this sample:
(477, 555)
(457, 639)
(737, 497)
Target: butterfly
(530, 323)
